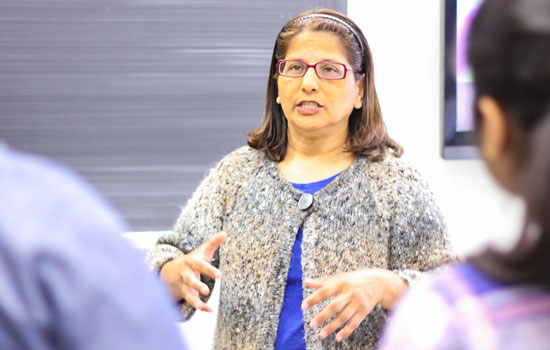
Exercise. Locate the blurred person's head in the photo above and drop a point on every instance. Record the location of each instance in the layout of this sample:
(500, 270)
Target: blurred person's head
(509, 51)
(351, 96)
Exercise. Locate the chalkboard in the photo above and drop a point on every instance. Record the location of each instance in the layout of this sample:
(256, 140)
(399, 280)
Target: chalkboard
(141, 97)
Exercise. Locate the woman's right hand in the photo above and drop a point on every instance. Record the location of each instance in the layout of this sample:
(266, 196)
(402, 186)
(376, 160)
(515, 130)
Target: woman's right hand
(183, 274)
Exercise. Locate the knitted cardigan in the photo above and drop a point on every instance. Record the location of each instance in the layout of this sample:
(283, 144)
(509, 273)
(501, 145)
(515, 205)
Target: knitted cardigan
(373, 215)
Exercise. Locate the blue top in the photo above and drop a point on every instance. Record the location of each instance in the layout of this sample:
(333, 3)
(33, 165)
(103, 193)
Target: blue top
(68, 280)
(290, 334)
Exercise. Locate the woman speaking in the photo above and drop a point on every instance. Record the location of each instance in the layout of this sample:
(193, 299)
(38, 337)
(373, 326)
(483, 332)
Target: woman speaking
(316, 227)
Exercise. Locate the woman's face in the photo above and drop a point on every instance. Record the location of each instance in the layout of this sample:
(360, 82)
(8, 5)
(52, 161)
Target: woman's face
(311, 104)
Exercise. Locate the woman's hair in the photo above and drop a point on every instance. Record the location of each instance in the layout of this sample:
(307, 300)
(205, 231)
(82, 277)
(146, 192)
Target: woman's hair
(367, 135)
(509, 51)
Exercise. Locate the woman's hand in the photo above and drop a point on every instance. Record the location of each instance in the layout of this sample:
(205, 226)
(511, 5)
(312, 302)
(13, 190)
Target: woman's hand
(354, 296)
(183, 274)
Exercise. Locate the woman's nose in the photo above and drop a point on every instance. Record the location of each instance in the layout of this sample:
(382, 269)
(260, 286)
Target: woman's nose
(310, 80)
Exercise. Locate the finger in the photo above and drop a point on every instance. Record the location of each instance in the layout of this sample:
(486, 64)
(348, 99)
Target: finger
(176, 290)
(314, 283)
(330, 310)
(192, 297)
(192, 281)
(352, 325)
(205, 268)
(210, 246)
(343, 317)
(317, 297)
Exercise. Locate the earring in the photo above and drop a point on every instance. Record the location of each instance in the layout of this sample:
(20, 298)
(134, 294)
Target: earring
(278, 100)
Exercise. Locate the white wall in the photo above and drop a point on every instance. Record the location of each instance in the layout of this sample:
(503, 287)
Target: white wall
(405, 38)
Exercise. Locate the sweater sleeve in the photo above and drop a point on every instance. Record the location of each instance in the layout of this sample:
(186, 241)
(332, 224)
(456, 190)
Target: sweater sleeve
(202, 216)
(418, 234)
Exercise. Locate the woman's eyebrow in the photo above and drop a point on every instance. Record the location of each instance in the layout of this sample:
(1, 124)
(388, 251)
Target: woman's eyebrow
(321, 60)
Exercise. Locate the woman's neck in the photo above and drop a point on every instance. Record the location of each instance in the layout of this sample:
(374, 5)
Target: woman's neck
(309, 158)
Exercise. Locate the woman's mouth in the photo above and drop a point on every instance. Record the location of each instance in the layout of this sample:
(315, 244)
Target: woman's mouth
(308, 107)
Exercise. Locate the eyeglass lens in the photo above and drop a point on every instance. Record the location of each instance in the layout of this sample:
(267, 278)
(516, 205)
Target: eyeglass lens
(326, 70)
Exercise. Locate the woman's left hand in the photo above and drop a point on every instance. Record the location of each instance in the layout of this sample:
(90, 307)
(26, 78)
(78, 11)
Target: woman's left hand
(354, 294)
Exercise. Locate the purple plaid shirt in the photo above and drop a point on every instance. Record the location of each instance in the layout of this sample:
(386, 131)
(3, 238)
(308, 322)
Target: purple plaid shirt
(461, 308)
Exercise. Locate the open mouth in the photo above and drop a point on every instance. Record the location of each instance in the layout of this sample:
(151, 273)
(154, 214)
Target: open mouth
(309, 105)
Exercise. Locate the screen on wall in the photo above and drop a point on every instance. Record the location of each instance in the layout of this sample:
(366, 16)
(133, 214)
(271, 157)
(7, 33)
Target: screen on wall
(459, 89)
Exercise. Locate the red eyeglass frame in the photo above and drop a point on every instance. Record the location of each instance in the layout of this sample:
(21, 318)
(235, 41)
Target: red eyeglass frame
(314, 66)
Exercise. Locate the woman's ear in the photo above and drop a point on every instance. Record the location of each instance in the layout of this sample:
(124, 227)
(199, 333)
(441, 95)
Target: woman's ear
(494, 133)
(495, 138)
(361, 92)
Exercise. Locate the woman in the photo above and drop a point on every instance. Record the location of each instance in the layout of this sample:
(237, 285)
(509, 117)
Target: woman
(318, 212)
(499, 300)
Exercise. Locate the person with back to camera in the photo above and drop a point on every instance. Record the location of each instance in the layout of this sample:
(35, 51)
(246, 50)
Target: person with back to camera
(68, 280)
(322, 224)
(498, 299)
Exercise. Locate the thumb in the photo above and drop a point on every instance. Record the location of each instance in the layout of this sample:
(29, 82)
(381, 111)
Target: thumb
(210, 246)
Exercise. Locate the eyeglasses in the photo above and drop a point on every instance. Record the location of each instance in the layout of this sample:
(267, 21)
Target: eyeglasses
(324, 70)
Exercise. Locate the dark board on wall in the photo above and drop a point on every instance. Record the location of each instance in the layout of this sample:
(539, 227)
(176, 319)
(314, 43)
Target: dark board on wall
(458, 117)
(141, 97)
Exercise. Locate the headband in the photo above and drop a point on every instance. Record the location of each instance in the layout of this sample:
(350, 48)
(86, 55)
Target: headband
(336, 19)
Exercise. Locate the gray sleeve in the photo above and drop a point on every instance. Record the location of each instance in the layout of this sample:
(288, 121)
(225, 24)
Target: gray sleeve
(202, 216)
(418, 234)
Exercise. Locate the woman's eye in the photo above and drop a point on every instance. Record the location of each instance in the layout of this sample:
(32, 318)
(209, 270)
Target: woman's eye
(296, 67)
(330, 69)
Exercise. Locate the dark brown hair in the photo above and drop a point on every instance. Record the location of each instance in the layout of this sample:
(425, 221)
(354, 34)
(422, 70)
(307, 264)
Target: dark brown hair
(509, 53)
(367, 135)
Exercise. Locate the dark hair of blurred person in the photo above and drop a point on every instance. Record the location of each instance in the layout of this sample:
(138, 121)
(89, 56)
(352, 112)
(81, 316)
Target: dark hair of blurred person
(498, 299)
(509, 52)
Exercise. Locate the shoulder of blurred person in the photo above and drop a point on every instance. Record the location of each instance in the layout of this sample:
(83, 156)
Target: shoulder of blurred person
(459, 307)
(67, 277)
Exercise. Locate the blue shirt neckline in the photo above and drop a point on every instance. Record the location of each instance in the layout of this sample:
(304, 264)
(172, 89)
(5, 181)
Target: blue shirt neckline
(313, 187)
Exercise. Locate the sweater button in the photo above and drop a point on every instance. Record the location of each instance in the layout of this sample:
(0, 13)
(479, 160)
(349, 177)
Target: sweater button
(306, 200)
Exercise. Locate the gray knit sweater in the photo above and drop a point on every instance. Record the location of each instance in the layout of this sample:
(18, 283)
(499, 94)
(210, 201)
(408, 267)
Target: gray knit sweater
(373, 215)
